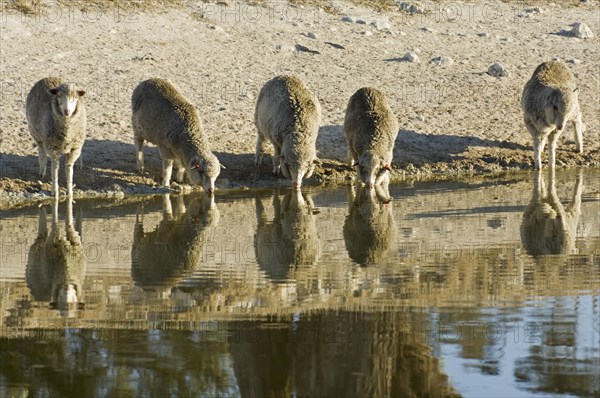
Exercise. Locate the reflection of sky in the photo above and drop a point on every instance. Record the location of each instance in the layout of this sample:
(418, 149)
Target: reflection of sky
(579, 316)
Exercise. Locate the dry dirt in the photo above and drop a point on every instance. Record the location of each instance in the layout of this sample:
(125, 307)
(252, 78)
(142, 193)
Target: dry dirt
(454, 119)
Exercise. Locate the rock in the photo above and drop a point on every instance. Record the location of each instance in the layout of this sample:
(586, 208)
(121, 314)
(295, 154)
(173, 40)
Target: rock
(312, 35)
(411, 8)
(441, 61)
(497, 70)
(581, 31)
(381, 24)
(361, 21)
(410, 57)
(349, 19)
(368, 33)
(574, 61)
(285, 47)
(216, 28)
(483, 34)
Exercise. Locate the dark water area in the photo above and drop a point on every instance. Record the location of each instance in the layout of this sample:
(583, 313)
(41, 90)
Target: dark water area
(476, 288)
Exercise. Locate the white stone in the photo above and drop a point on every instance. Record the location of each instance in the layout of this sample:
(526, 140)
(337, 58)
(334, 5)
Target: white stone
(582, 31)
(410, 57)
(497, 70)
(441, 61)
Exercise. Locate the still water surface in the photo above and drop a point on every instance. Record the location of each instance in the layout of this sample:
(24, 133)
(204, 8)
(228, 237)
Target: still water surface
(458, 289)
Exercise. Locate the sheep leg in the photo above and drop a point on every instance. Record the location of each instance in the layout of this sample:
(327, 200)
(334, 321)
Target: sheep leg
(350, 159)
(42, 159)
(55, 165)
(553, 140)
(538, 148)
(139, 145)
(180, 172)
(167, 171)
(277, 160)
(69, 175)
(538, 144)
(259, 150)
(578, 125)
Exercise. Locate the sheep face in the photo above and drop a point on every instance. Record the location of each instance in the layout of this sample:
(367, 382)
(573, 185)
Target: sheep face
(296, 169)
(67, 99)
(204, 172)
(372, 169)
(558, 108)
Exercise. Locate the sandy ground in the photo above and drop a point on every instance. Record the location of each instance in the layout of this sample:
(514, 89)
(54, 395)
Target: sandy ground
(453, 118)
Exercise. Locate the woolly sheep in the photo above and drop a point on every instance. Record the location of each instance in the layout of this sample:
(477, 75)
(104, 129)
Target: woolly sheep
(547, 227)
(288, 240)
(288, 115)
(161, 256)
(370, 128)
(370, 229)
(549, 101)
(164, 117)
(56, 263)
(56, 118)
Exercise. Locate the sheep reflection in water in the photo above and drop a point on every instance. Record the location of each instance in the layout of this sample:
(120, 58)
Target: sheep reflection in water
(288, 240)
(549, 228)
(161, 257)
(370, 229)
(56, 264)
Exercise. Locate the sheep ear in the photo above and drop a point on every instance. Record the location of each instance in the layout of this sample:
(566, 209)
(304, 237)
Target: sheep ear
(317, 161)
(53, 91)
(80, 93)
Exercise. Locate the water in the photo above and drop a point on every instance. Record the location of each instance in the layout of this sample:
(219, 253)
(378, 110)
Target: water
(480, 288)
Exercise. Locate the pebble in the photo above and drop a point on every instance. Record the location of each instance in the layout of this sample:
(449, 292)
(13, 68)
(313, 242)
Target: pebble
(381, 24)
(368, 33)
(441, 61)
(497, 70)
(420, 118)
(574, 61)
(216, 28)
(349, 19)
(411, 8)
(483, 34)
(410, 57)
(582, 31)
(312, 35)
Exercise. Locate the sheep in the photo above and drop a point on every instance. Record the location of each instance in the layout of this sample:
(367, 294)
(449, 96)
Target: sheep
(56, 263)
(290, 239)
(547, 227)
(549, 101)
(163, 116)
(370, 229)
(288, 115)
(370, 128)
(57, 119)
(160, 257)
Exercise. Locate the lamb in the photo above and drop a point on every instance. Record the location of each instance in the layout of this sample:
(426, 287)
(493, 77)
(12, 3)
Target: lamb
(549, 101)
(163, 116)
(288, 114)
(370, 128)
(56, 118)
(56, 263)
(162, 256)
